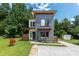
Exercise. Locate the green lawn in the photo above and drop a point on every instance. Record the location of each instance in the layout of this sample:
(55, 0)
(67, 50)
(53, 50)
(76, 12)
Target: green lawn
(73, 41)
(22, 48)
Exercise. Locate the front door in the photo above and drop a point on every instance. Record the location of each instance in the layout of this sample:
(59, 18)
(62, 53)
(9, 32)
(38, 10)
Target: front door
(33, 37)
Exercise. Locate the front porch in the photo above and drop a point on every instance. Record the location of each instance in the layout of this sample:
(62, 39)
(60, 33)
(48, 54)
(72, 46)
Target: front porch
(39, 35)
(32, 35)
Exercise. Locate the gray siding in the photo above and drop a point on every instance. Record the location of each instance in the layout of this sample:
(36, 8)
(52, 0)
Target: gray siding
(52, 28)
(38, 18)
(43, 16)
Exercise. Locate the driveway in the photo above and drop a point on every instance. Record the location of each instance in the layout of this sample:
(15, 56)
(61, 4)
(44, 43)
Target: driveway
(70, 50)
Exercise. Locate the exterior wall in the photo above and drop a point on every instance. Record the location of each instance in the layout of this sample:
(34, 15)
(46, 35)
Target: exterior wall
(38, 21)
(52, 29)
(31, 30)
(43, 16)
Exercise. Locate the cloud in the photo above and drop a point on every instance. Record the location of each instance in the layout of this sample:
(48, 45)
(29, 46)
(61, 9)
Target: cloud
(34, 9)
(40, 6)
(45, 5)
(77, 3)
(72, 19)
(47, 8)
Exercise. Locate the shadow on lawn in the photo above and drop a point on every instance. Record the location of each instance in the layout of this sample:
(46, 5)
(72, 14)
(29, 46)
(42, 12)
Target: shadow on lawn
(76, 44)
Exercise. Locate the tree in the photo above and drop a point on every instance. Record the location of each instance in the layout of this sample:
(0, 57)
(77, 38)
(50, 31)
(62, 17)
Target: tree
(75, 30)
(4, 9)
(17, 19)
(61, 28)
(56, 27)
(22, 15)
(75, 25)
(14, 20)
(76, 22)
(65, 25)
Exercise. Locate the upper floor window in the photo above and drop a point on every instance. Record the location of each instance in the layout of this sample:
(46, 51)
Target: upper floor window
(32, 23)
(44, 22)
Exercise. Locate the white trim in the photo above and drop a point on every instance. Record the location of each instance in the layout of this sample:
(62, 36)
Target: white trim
(31, 20)
(30, 34)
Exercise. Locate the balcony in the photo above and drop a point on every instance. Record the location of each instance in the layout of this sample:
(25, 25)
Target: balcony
(44, 28)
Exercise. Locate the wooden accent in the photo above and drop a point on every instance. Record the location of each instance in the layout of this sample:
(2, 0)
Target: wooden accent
(25, 37)
(47, 30)
(55, 40)
(12, 42)
(43, 12)
(32, 30)
(44, 28)
(31, 27)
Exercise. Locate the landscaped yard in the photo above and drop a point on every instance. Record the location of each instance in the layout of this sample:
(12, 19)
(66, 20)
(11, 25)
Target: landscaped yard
(50, 44)
(73, 41)
(22, 48)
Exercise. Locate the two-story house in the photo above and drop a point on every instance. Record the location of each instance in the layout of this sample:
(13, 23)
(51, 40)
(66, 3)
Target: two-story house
(42, 26)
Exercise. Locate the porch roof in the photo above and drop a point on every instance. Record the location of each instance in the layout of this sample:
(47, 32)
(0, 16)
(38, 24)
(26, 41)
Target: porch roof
(46, 28)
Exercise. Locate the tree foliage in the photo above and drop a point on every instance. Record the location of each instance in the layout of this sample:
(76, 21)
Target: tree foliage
(56, 27)
(16, 18)
(75, 25)
(61, 28)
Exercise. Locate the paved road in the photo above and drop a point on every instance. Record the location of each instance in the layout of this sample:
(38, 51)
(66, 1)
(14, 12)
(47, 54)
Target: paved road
(70, 50)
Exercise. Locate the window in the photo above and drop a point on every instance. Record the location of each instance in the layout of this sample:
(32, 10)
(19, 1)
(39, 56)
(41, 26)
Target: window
(43, 22)
(44, 34)
(32, 23)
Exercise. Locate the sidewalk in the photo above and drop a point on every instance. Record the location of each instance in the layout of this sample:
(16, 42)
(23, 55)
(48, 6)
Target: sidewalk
(68, 44)
(70, 50)
(71, 46)
(34, 51)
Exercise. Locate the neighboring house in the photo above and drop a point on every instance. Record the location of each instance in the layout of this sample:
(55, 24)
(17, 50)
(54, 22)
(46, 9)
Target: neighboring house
(42, 26)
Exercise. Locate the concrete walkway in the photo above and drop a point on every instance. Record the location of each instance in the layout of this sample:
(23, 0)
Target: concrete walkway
(34, 51)
(70, 50)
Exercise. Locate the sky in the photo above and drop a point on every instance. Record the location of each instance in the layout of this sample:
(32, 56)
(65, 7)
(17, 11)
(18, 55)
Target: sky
(64, 10)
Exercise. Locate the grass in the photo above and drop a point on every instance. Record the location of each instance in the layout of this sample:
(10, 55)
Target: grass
(22, 48)
(51, 44)
(73, 41)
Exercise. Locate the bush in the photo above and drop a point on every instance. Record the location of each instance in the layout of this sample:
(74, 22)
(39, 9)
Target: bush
(17, 36)
(4, 36)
